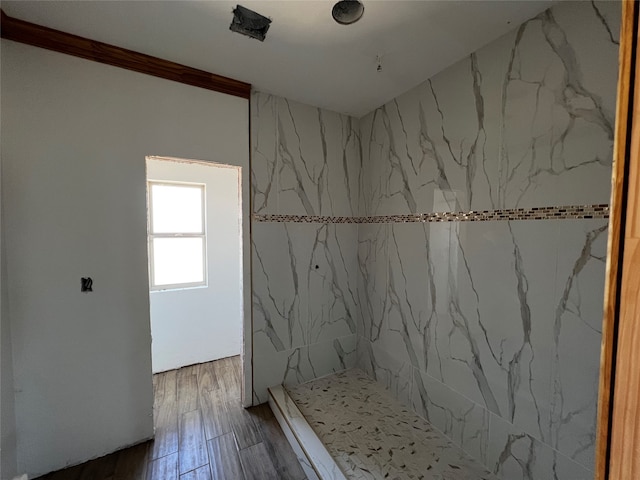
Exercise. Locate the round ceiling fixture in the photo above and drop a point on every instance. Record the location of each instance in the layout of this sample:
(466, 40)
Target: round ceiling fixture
(346, 12)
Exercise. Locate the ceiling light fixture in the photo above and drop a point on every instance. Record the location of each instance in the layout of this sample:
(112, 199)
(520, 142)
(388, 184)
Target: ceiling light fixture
(346, 12)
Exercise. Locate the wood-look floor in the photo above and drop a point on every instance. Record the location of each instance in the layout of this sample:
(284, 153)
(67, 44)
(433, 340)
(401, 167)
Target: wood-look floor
(202, 433)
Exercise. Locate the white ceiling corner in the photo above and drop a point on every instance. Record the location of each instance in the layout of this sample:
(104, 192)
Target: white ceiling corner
(306, 55)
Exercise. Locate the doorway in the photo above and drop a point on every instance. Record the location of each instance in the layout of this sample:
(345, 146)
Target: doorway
(195, 247)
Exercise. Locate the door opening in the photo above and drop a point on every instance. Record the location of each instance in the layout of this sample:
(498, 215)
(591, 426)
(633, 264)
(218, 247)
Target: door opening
(195, 262)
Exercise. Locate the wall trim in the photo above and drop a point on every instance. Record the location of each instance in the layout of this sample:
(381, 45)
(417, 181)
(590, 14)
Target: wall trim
(629, 38)
(536, 213)
(62, 42)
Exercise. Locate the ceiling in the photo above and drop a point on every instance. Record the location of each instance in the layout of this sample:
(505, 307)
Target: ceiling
(306, 56)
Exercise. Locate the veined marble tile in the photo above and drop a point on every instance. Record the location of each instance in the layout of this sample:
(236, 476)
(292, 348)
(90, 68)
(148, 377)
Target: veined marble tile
(577, 329)
(456, 293)
(514, 455)
(332, 281)
(463, 421)
(299, 365)
(513, 265)
(318, 161)
(305, 283)
(394, 374)
(306, 160)
(333, 356)
(534, 253)
(281, 255)
(302, 158)
(365, 188)
(501, 343)
(412, 293)
(372, 278)
(462, 318)
(492, 334)
(564, 156)
(525, 121)
(596, 52)
(375, 167)
(264, 141)
(459, 134)
(344, 176)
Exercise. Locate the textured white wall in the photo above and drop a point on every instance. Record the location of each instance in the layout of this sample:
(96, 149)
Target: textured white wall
(75, 135)
(196, 325)
(7, 407)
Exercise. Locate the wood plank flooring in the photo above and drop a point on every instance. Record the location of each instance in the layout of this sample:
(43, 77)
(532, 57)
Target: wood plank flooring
(202, 433)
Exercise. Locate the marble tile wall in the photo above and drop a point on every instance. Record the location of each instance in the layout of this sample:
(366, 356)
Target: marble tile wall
(526, 121)
(306, 161)
(491, 330)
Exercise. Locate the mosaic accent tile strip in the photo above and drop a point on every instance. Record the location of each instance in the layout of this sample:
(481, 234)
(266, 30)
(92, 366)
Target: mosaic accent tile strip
(536, 213)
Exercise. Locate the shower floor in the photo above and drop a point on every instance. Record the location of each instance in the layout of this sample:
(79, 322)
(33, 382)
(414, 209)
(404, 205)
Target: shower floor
(370, 435)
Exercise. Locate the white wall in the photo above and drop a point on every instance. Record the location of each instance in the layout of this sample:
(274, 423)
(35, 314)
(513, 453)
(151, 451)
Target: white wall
(201, 324)
(7, 408)
(74, 139)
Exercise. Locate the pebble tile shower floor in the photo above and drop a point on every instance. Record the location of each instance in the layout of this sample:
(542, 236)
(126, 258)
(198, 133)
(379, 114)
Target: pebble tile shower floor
(371, 436)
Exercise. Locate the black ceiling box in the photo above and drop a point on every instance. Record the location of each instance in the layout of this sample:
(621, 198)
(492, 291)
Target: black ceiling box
(249, 23)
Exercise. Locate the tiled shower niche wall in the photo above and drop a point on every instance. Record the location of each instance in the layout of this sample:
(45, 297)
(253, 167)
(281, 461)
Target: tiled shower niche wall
(489, 329)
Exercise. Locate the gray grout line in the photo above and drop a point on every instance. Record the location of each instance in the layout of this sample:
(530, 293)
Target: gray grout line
(536, 213)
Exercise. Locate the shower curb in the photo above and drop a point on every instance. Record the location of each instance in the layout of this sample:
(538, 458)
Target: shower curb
(314, 458)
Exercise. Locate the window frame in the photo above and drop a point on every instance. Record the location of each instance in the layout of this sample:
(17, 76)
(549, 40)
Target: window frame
(151, 236)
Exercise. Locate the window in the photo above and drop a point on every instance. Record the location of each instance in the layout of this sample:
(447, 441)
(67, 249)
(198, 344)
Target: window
(177, 240)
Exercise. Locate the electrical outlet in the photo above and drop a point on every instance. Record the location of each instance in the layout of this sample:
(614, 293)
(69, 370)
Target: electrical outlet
(86, 284)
